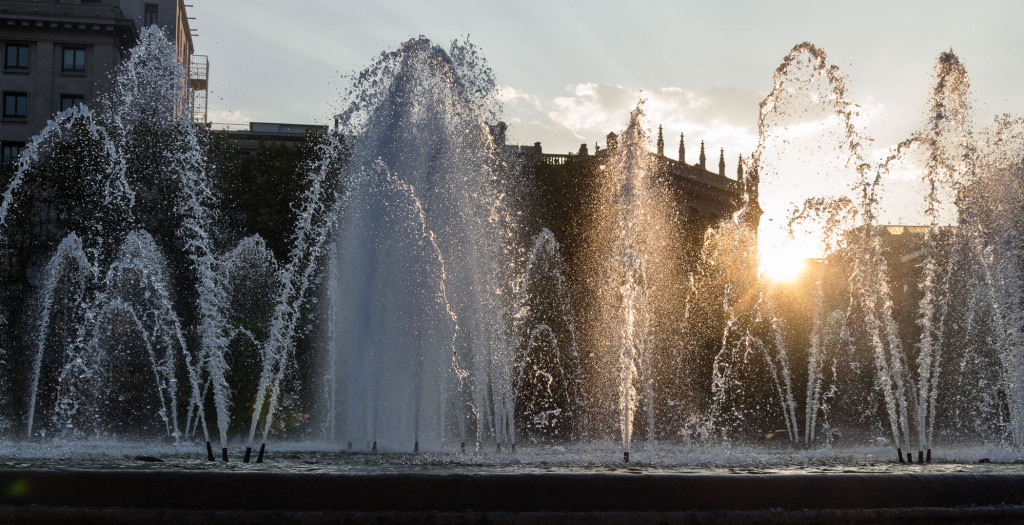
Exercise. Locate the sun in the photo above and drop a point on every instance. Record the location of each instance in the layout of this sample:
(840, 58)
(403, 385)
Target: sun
(782, 264)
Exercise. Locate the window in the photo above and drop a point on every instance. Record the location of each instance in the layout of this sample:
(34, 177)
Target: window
(74, 59)
(15, 105)
(11, 152)
(152, 15)
(69, 101)
(16, 58)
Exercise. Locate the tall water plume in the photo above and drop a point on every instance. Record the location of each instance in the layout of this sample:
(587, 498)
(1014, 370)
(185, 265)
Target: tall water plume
(807, 82)
(949, 146)
(548, 382)
(424, 352)
(317, 215)
(634, 286)
(990, 226)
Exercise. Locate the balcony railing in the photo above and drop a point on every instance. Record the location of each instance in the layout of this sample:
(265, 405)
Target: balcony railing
(199, 72)
(198, 84)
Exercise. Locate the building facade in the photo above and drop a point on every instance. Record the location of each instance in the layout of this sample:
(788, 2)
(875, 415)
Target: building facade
(703, 196)
(60, 53)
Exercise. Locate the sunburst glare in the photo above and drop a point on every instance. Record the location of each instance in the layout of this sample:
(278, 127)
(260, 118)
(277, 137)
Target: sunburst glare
(783, 264)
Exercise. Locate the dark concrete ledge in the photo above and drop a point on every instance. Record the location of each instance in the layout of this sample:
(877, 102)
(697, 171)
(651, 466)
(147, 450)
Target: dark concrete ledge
(550, 494)
(38, 515)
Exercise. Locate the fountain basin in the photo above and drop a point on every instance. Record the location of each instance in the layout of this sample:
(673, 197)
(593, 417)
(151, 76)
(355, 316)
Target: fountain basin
(446, 495)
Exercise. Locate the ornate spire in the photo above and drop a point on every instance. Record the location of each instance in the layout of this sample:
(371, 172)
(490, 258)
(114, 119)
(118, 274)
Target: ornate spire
(661, 143)
(739, 169)
(753, 180)
(611, 140)
(702, 161)
(721, 162)
(682, 149)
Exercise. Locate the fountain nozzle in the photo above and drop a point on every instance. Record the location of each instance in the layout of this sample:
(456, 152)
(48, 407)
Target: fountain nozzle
(224, 454)
(248, 454)
(209, 452)
(416, 447)
(259, 458)
(625, 457)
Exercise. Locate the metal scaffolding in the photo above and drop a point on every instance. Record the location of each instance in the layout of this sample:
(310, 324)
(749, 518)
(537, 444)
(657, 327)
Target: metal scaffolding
(199, 85)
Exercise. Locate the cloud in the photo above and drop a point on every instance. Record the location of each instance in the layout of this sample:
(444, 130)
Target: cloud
(586, 112)
(590, 105)
(517, 98)
(593, 109)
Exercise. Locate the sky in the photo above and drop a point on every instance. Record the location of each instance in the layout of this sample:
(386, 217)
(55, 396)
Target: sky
(570, 72)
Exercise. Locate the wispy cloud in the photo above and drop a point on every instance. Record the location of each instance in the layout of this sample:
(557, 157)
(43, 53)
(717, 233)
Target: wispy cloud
(586, 112)
(517, 98)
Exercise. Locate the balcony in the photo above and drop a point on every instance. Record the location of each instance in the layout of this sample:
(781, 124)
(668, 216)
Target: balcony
(199, 73)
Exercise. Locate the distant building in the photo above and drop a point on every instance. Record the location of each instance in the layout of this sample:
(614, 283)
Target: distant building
(60, 53)
(246, 141)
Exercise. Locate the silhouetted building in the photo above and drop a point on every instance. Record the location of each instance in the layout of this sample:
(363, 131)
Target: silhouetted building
(703, 197)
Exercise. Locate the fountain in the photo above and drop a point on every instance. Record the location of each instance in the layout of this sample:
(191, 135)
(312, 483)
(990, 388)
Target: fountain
(423, 351)
(453, 315)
